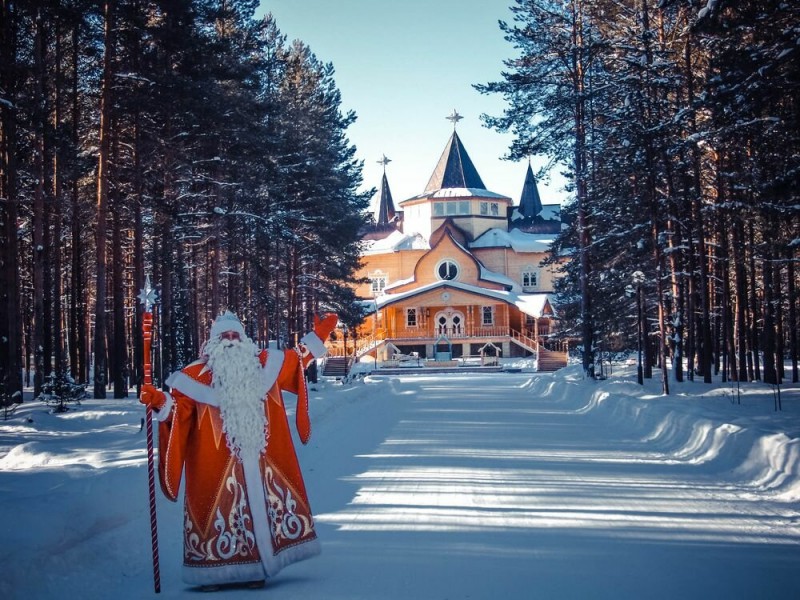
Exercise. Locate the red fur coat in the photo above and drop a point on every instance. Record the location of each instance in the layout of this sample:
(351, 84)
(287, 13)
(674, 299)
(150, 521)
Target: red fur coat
(243, 520)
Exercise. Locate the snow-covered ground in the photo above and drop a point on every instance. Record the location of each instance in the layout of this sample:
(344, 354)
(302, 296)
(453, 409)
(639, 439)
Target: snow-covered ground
(505, 485)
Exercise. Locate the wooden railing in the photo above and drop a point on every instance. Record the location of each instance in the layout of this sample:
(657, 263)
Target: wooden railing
(450, 332)
(366, 344)
(523, 340)
(362, 346)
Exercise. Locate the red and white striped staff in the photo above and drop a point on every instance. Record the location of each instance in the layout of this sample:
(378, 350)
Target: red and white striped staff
(147, 296)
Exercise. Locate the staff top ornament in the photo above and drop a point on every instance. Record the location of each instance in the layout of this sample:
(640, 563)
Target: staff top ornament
(147, 295)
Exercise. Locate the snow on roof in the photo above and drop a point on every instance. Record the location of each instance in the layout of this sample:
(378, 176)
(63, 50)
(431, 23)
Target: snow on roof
(459, 193)
(530, 304)
(395, 241)
(495, 277)
(551, 212)
(398, 283)
(516, 239)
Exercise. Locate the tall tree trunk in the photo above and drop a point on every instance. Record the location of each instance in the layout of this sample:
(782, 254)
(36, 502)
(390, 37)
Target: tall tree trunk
(166, 256)
(213, 274)
(777, 304)
(119, 374)
(691, 311)
(705, 354)
(652, 194)
(100, 359)
(755, 313)
(581, 191)
(10, 313)
(676, 281)
(726, 307)
(39, 222)
(58, 343)
(138, 255)
(768, 332)
(77, 330)
(791, 292)
(740, 282)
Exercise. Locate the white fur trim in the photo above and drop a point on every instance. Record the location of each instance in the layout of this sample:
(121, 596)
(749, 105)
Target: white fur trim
(205, 393)
(227, 321)
(256, 495)
(162, 414)
(314, 344)
(293, 554)
(273, 367)
(192, 388)
(257, 500)
(222, 574)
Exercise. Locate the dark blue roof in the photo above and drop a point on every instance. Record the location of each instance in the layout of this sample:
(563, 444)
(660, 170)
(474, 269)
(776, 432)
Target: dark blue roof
(386, 211)
(454, 169)
(530, 204)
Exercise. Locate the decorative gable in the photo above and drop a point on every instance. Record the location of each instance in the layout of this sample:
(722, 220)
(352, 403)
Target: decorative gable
(448, 260)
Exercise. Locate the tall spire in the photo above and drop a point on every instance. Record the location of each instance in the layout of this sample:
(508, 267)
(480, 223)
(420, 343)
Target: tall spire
(530, 204)
(454, 169)
(386, 212)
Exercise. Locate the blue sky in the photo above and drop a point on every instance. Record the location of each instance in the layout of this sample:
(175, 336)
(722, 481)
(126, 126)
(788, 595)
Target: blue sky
(403, 67)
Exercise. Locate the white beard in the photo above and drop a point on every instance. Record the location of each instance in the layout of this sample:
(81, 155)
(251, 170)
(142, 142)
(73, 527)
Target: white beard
(240, 385)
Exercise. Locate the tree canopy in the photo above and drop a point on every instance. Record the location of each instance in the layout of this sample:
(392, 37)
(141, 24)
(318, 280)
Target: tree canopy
(183, 139)
(679, 126)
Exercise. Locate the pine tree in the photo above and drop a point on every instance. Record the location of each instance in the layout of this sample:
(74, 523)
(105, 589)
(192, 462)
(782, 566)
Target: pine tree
(548, 92)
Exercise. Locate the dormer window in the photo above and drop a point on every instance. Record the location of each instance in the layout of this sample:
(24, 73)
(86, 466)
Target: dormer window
(451, 208)
(378, 283)
(530, 278)
(447, 270)
(490, 208)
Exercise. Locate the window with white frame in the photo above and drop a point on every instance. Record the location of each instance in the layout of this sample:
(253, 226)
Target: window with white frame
(488, 315)
(378, 283)
(438, 209)
(411, 317)
(447, 270)
(530, 278)
(484, 208)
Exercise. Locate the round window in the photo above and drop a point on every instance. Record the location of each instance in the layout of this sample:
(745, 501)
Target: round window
(447, 270)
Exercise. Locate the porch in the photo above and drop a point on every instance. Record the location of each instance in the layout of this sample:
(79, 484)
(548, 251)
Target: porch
(471, 328)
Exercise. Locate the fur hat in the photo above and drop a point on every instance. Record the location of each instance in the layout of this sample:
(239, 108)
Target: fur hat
(227, 321)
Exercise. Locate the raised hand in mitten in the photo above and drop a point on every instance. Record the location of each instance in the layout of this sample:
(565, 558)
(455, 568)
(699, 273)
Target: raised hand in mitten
(324, 325)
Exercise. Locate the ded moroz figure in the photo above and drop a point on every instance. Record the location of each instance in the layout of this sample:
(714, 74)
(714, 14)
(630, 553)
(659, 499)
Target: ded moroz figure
(223, 424)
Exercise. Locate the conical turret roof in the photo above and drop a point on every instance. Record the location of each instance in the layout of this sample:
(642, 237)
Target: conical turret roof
(454, 169)
(386, 212)
(530, 204)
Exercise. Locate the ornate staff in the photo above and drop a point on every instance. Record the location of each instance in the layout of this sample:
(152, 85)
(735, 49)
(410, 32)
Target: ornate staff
(147, 296)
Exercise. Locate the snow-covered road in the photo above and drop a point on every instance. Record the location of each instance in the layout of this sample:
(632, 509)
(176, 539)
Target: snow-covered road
(513, 486)
(508, 485)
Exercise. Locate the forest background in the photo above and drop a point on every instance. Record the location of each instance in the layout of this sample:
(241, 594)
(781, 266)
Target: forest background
(189, 140)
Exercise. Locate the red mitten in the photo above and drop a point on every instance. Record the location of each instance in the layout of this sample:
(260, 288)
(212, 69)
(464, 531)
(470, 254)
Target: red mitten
(153, 397)
(324, 325)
